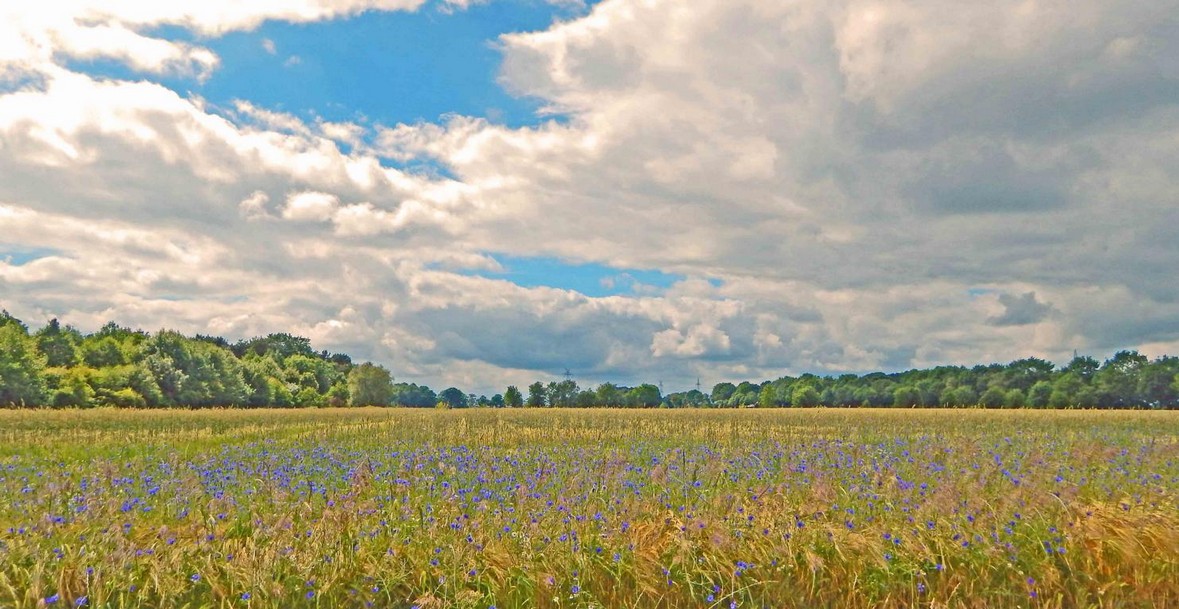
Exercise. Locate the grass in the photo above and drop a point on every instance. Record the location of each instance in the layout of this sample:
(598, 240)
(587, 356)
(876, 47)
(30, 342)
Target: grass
(569, 508)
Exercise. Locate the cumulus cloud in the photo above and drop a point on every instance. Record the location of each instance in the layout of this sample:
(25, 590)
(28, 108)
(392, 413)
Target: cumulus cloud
(310, 206)
(831, 180)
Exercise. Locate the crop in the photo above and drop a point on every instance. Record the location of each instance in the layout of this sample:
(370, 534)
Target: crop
(508, 508)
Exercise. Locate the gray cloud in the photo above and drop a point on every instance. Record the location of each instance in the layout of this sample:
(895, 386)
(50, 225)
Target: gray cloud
(1021, 310)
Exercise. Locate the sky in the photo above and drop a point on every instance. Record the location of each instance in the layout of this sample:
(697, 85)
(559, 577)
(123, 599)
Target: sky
(483, 193)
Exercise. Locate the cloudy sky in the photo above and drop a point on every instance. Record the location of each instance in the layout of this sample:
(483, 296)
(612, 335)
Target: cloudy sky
(482, 193)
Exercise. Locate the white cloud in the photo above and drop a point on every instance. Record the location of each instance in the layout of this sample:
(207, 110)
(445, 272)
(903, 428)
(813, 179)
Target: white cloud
(310, 206)
(253, 207)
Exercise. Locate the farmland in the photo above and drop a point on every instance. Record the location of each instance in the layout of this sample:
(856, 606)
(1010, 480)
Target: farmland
(378, 507)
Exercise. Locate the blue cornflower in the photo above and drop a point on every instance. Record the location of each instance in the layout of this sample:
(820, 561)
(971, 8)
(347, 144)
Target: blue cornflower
(49, 600)
(576, 589)
(196, 577)
(246, 596)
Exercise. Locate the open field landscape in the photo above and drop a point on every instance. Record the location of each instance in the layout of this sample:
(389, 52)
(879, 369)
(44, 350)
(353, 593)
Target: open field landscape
(572, 508)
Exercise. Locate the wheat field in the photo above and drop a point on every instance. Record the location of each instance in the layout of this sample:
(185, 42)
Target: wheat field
(595, 508)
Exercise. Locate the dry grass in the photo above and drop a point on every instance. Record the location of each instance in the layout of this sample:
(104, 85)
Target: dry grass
(396, 508)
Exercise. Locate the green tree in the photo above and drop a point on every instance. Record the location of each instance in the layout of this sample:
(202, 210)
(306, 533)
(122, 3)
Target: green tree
(70, 386)
(991, 398)
(721, 392)
(59, 344)
(453, 397)
(277, 346)
(414, 395)
(768, 397)
(644, 396)
(512, 397)
(194, 373)
(1117, 380)
(609, 394)
(1154, 383)
(102, 352)
(370, 385)
(338, 395)
(1014, 398)
(905, 396)
(804, 395)
(1040, 394)
(563, 393)
(22, 366)
(536, 395)
(962, 395)
(1023, 373)
(1083, 366)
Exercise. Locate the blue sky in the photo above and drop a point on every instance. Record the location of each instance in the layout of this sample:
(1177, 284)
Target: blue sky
(376, 67)
(591, 279)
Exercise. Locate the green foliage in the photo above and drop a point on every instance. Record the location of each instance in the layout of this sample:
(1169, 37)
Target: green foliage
(1039, 394)
(453, 397)
(804, 395)
(905, 396)
(536, 395)
(608, 394)
(22, 367)
(992, 398)
(59, 344)
(414, 396)
(118, 366)
(512, 397)
(644, 396)
(70, 387)
(721, 392)
(370, 385)
(102, 352)
(562, 393)
(338, 395)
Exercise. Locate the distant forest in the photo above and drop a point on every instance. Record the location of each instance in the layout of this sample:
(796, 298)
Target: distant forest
(58, 366)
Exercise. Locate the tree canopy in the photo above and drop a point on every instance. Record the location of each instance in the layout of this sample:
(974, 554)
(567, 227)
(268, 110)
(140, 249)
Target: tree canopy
(58, 365)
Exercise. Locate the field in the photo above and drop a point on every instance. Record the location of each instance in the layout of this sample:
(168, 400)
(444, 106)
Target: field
(566, 508)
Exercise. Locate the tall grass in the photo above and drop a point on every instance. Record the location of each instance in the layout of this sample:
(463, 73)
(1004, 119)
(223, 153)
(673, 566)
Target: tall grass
(480, 508)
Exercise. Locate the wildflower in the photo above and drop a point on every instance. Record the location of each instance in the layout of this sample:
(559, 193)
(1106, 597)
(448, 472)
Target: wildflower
(49, 600)
(196, 577)
(246, 596)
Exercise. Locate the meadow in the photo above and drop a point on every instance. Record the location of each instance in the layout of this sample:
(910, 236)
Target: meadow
(604, 508)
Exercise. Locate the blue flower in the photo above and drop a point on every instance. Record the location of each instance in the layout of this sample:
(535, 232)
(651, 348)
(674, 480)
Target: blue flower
(49, 600)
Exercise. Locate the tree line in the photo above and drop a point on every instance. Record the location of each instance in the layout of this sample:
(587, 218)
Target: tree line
(116, 366)
(59, 366)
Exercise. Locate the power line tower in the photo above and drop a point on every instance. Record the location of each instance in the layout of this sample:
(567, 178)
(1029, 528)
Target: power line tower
(568, 375)
(697, 383)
